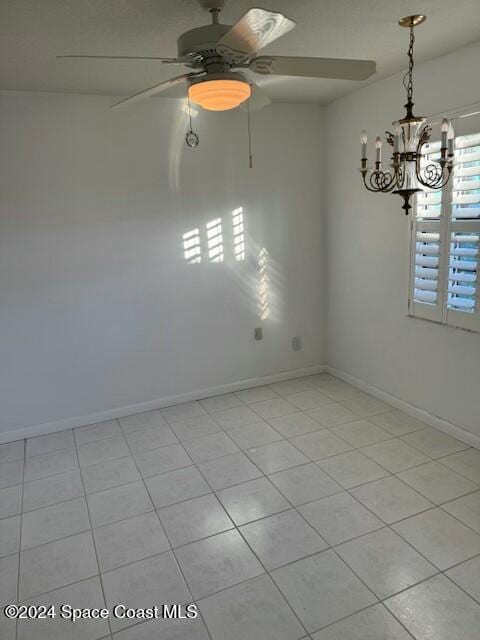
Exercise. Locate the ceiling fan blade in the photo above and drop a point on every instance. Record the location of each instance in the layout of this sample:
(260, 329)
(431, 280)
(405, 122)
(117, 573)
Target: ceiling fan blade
(152, 91)
(252, 32)
(173, 60)
(258, 99)
(338, 68)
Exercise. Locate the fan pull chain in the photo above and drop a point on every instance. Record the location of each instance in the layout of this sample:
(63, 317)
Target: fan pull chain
(189, 110)
(191, 138)
(250, 157)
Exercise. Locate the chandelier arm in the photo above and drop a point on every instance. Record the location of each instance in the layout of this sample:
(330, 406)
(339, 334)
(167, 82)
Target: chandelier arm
(379, 181)
(434, 176)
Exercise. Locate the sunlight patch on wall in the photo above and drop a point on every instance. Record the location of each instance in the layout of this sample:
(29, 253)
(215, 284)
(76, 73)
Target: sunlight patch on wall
(263, 284)
(221, 239)
(238, 234)
(191, 247)
(215, 240)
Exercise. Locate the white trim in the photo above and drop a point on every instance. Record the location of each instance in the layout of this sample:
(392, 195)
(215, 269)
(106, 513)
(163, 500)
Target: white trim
(119, 412)
(434, 421)
(159, 403)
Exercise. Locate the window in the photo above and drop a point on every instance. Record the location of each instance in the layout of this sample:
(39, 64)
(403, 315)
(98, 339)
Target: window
(445, 243)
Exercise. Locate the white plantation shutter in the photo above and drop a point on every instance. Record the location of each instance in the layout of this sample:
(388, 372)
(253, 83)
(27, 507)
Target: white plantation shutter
(445, 243)
(463, 290)
(428, 242)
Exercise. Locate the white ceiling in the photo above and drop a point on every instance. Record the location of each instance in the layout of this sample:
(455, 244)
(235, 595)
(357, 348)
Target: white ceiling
(33, 32)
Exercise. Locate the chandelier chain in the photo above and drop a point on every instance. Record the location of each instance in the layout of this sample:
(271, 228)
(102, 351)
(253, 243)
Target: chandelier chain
(408, 79)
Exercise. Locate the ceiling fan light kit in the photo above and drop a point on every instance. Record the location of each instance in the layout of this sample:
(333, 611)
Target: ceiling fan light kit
(408, 174)
(219, 93)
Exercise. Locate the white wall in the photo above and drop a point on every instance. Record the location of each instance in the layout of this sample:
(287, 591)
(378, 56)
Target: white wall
(369, 335)
(98, 309)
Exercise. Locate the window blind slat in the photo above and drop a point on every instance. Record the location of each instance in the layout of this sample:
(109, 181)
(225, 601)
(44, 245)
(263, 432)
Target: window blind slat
(464, 142)
(426, 285)
(466, 185)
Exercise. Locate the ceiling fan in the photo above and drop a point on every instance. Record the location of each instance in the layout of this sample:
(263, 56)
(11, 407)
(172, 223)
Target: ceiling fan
(214, 53)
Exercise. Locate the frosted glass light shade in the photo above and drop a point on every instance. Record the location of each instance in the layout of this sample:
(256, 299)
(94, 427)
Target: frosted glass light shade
(219, 95)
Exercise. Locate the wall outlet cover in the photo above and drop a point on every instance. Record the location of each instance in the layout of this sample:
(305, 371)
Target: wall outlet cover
(258, 333)
(296, 343)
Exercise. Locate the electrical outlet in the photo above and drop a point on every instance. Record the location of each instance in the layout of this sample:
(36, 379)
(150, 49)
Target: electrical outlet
(296, 343)
(258, 333)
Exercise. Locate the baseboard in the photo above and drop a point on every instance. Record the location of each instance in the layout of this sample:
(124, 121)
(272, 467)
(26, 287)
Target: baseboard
(416, 412)
(199, 394)
(159, 403)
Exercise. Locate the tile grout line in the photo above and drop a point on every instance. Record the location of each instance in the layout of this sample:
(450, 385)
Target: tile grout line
(100, 579)
(439, 460)
(268, 573)
(21, 532)
(444, 573)
(179, 568)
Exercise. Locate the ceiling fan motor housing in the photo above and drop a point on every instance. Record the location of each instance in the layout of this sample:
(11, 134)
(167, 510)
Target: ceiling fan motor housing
(202, 40)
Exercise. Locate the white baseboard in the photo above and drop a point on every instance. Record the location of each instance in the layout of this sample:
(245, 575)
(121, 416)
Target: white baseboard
(434, 421)
(159, 403)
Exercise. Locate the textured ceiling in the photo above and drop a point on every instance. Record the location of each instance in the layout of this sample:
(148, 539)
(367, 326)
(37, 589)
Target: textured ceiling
(33, 32)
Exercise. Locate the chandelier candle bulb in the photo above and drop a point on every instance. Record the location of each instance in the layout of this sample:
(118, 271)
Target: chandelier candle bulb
(451, 138)
(444, 129)
(396, 138)
(378, 147)
(364, 140)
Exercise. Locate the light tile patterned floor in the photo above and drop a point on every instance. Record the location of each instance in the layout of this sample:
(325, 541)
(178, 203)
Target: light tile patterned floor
(301, 510)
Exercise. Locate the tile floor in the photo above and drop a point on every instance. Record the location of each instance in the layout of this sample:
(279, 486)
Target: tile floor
(301, 510)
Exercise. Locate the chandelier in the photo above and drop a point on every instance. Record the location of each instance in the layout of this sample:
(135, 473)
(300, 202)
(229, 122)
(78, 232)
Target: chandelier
(408, 172)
